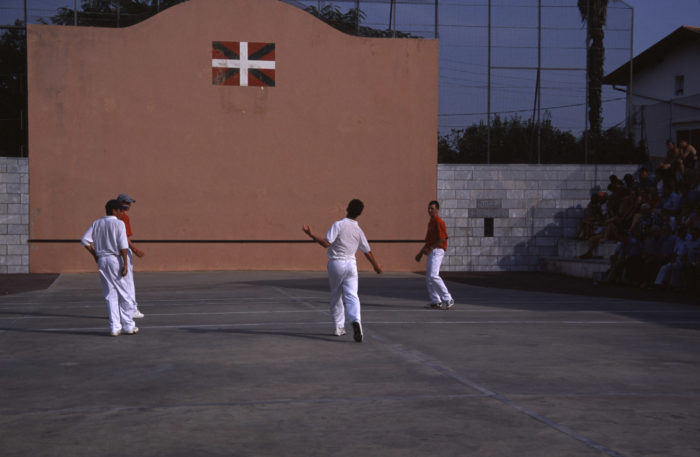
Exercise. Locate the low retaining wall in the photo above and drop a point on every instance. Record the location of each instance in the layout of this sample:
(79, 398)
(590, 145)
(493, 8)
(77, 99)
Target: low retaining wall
(530, 207)
(14, 215)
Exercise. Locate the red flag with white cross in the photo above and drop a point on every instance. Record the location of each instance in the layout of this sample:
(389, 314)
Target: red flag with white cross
(243, 63)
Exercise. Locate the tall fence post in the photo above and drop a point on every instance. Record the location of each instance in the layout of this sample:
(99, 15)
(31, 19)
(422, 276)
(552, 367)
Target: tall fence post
(488, 96)
(437, 20)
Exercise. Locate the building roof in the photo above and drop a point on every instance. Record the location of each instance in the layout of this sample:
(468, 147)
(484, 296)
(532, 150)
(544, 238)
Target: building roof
(654, 54)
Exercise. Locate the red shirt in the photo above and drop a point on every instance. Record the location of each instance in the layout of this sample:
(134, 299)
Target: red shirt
(125, 219)
(436, 231)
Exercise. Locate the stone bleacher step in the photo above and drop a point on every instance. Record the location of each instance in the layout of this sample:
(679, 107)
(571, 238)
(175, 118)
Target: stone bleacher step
(573, 248)
(568, 263)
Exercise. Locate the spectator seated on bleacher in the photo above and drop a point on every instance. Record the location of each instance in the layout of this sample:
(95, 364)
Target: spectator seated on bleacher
(656, 220)
(625, 260)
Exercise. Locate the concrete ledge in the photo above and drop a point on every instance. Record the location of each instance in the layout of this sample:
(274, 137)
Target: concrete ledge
(578, 268)
(573, 248)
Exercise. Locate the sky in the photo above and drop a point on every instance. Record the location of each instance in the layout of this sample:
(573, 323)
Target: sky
(463, 58)
(654, 19)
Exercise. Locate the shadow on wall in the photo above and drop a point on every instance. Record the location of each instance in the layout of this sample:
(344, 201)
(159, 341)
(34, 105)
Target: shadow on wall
(543, 241)
(508, 217)
(554, 214)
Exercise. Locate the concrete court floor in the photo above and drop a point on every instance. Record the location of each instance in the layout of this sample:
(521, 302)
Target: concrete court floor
(243, 364)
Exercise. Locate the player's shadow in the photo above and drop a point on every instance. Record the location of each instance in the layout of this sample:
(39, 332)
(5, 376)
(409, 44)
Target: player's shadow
(327, 337)
(41, 314)
(370, 285)
(100, 333)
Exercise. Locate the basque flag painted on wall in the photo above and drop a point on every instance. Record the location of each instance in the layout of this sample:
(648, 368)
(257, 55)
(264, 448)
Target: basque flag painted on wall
(241, 63)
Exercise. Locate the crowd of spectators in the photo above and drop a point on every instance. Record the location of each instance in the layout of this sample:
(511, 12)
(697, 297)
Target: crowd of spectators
(655, 220)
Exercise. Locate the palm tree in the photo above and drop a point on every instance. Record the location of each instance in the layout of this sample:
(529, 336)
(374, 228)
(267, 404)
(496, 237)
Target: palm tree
(594, 14)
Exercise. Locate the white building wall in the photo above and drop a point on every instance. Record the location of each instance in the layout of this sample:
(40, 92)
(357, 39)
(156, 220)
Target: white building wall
(657, 107)
(659, 81)
(533, 206)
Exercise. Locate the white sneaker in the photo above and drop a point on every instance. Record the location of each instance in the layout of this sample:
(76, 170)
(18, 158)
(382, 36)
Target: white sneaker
(448, 304)
(339, 332)
(137, 314)
(133, 331)
(117, 333)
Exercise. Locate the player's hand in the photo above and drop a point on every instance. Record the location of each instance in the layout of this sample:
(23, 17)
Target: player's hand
(306, 229)
(419, 256)
(125, 270)
(139, 253)
(378, 269)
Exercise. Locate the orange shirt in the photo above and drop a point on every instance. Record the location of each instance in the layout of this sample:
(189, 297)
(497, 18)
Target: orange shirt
(436, 231)
(125, 219)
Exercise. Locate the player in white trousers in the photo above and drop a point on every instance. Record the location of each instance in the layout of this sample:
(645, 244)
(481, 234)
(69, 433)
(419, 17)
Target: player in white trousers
(127, 202)
(106, 241)
(343, 240)
(434, 248)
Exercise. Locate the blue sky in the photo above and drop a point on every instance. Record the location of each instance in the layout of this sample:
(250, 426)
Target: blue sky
(654, 19)
(463, 57)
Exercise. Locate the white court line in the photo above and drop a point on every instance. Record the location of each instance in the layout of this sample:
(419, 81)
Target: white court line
(99, 301)
(437, 366)
(540, 322)
(622, 320)
(172, 314)
(176, 326)
(367, 323)
(473, 308)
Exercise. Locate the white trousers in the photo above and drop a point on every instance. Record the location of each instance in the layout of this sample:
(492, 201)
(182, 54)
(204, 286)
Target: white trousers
(437, 291)
(116, 292)
(130, 279)
(672, 270)
(342, 278)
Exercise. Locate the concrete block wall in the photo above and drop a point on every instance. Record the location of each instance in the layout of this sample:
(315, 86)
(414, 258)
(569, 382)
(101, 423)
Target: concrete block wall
(532, 206)
(14, 215)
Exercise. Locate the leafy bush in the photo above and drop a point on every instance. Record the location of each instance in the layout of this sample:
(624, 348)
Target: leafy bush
(514, 140)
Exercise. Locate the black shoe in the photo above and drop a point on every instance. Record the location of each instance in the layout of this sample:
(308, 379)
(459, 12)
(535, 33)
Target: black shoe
(357, 329)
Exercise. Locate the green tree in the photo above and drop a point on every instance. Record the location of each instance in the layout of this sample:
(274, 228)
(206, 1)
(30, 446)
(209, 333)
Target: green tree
(512, 142)
(594, 14)
(349, 22)
(13, 91)
(112, 13)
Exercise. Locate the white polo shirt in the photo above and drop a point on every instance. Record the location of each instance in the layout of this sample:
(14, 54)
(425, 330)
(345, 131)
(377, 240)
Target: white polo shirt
(108, 234)
(345, 237)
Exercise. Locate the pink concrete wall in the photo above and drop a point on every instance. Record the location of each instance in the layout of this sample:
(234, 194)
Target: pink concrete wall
(134, 110)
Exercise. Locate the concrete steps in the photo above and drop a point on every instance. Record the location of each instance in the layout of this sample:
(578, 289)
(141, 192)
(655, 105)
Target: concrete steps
(568, 263)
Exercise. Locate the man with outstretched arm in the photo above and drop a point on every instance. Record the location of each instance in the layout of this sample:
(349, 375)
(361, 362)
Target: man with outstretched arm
(106, 241)
(434, 247)
(343, 240)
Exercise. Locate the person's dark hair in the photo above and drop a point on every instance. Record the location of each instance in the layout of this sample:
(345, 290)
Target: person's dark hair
(112, 205)
(434, 202)
(355, 208)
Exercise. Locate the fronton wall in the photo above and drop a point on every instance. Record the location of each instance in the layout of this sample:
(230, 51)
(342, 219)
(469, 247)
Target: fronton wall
(225, 176)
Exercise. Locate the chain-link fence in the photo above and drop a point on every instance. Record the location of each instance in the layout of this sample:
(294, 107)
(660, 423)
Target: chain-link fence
(507, 67)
